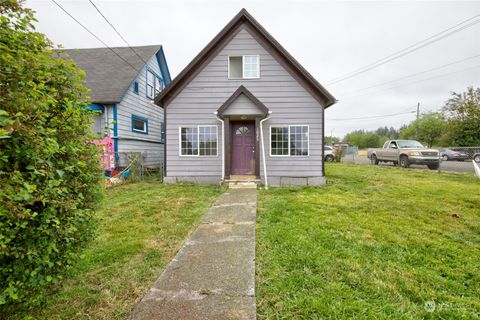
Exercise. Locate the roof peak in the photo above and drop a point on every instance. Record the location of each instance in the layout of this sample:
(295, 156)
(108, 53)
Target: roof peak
(241, 18)
(242, 90)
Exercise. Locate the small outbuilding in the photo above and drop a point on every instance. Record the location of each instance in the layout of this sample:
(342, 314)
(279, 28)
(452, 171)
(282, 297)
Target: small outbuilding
(244, 108)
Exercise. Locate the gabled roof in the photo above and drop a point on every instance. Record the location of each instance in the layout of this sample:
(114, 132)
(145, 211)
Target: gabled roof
(248, 94)
(107, 75)
(243, 18)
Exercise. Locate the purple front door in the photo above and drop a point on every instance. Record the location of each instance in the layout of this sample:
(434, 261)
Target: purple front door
(243, 148)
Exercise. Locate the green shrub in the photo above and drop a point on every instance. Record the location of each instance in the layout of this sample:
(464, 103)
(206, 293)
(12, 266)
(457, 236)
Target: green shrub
(49, 175)
(338, 153)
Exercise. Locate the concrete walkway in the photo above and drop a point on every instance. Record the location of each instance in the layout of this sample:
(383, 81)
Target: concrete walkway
(213, 274)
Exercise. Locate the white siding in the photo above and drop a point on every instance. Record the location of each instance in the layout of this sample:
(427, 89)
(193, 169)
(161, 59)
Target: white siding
(289, 102)
(140, 105)
(98, 124)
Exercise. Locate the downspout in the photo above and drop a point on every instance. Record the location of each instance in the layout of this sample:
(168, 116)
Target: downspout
(263, 148)
(223, 143)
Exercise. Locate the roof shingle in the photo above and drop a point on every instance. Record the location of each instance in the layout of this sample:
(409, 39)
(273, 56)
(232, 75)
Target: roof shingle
(108, 76)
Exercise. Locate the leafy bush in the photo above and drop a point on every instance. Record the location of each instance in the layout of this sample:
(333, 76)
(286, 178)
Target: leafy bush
(463, 113)
(429, 129)
(49, 175)
(338, 154)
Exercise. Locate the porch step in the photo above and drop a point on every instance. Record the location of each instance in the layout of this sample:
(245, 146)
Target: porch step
(242, 177)
(242, 182)
(242, 185)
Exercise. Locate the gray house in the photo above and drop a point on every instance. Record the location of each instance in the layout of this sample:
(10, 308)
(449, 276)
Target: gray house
(244, 106)
(123, 86)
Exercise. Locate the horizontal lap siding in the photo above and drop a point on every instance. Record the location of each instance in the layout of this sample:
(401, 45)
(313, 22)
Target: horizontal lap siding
(289, 102)
(140, 105)
(98, 123)
(152, 153)
(242, 105)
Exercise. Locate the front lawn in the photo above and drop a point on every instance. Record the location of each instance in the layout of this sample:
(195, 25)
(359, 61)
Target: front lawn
(141, 227)
(374, 243)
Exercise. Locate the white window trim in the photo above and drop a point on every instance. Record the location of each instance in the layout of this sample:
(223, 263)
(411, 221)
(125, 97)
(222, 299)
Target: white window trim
(243, 66)
(155, 77)
(289, 126)
(143, 120)
(198, 137)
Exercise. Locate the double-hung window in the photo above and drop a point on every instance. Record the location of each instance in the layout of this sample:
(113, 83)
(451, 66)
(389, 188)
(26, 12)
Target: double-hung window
(198, 141)
(244, 67)
(289, 140)
(158, 85)
(154, 84)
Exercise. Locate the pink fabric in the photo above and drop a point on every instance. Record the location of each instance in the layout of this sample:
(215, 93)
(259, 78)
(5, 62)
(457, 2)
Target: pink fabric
(107, 152)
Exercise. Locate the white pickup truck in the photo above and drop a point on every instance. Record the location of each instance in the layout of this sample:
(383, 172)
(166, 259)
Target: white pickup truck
(405, 153)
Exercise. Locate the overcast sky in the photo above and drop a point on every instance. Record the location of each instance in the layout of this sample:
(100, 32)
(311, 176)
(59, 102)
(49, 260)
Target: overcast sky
(329, 38)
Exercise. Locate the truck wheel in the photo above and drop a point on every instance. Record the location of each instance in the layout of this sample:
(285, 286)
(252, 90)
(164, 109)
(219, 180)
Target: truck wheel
(404, 162)
(374, 159)
(329, 158)
(434, 166)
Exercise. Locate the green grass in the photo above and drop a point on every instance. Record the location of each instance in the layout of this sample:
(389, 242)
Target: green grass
(142, 226)
(374, 243)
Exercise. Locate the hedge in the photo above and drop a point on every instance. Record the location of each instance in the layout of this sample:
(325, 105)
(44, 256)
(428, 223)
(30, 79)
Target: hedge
(49, 175)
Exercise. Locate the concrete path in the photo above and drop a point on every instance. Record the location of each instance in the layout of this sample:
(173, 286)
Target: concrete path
(213, 274)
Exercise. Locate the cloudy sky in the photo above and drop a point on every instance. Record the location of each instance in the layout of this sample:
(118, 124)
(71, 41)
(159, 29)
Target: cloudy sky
(329, 38)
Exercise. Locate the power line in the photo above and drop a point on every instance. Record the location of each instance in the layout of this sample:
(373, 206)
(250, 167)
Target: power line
(422, 80)
(379, 84)
(94, 35)
(116, 31)
(373, 117)
(414, 47)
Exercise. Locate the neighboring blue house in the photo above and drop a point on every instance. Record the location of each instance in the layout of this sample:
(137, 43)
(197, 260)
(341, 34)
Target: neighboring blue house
(122, 90)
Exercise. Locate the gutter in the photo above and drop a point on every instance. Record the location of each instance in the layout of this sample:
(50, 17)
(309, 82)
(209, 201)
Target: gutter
(263, 148)
(223, 144)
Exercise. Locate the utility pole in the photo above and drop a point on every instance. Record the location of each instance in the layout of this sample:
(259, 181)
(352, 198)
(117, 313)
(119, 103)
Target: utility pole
(418, 115)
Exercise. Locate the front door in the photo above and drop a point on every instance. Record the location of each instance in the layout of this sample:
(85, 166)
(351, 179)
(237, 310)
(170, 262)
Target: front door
(243, 148)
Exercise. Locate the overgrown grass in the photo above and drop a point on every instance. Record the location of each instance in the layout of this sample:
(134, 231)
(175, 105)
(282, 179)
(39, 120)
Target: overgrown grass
(374, 243)
(142, 226)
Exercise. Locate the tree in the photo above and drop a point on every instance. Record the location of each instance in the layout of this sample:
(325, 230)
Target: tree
(463, 112)
(49, 175)
(429, 128)
(329, 140)
(391, 133)
(369, 139)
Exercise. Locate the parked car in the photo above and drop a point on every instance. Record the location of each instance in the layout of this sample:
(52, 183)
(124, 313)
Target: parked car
(404, 153)
(329, 153)
(449, 154)
(476, 157)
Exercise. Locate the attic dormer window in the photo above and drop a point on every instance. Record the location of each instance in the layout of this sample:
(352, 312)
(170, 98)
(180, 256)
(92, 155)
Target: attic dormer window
(154, 84)
(244, 67)
(150, 84)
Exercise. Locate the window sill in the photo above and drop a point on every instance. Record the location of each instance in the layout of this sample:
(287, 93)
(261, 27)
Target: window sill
(196, 156)
(244, 78)
(141, 132)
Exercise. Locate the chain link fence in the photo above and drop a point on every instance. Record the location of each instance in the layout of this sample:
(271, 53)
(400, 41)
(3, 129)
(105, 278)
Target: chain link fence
(124, 167)
(470, 151)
